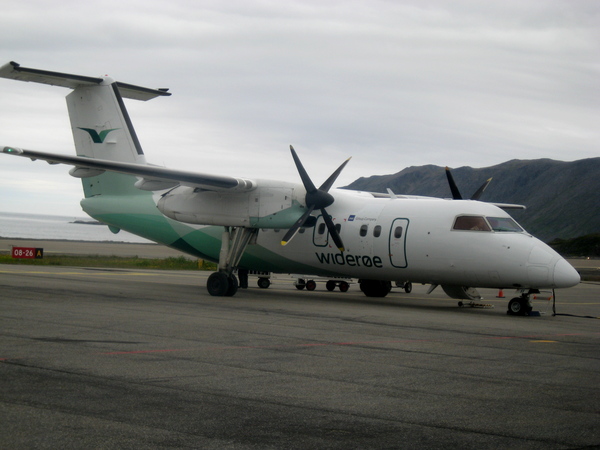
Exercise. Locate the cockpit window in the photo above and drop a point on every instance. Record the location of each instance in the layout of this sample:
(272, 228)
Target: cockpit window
(472, 223)
(504, 224)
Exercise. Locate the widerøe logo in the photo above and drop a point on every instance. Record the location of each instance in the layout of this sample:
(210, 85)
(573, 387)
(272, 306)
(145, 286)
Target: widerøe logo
(98, 138)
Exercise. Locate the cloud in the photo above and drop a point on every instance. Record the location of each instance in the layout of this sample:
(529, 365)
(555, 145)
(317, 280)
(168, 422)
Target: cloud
(393, 84)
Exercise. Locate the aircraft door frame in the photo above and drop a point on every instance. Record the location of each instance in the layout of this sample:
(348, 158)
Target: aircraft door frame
(322, 239)
(397, 245)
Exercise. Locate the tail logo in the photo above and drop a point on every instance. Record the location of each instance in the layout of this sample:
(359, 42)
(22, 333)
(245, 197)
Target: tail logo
(98, 138)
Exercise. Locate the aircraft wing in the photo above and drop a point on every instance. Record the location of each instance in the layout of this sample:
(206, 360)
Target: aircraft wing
(151, 177)
(391, 195)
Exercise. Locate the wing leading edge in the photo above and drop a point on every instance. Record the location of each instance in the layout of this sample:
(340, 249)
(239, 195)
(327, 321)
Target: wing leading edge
(152, 177)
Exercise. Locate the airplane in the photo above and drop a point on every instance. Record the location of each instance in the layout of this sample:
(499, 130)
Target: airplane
(290, 227)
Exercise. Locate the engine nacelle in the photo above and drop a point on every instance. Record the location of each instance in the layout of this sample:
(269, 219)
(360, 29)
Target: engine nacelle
(461, 292)
(263, 207)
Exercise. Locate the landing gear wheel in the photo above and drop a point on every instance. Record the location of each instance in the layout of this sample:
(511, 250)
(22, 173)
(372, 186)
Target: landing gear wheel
(311, 285)
(344, 286)
(375, 288)
(233, 286)
(408, 287)
(330, 285)
(518, 307)
(263, 283)
(218, 284)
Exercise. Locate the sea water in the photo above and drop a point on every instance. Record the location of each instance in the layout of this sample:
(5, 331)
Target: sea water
(37, 226)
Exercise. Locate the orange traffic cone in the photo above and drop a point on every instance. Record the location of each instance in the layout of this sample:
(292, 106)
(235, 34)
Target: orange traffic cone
(500, 293)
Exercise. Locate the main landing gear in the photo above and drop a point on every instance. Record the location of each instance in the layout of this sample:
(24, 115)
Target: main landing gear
(233, 243)
(521, 306)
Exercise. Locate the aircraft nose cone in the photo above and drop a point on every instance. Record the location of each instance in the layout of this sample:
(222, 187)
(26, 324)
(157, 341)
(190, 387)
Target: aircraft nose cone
(565, 275)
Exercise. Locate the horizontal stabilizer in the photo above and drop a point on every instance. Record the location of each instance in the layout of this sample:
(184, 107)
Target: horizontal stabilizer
(14, 71)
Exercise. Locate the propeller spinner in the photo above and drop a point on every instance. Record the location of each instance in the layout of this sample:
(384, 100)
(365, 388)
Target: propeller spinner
(316, 199)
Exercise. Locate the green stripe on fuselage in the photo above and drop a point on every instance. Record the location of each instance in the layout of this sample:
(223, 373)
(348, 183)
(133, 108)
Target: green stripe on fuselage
(138, 214)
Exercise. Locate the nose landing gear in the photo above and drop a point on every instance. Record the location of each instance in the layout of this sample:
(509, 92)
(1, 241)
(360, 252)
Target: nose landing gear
(521, 306)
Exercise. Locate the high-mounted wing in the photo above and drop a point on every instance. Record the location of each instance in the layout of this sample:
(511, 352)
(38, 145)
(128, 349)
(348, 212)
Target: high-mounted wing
(148, 173)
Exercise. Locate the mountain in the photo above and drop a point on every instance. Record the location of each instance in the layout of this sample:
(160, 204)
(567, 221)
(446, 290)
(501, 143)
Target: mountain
(562, 198)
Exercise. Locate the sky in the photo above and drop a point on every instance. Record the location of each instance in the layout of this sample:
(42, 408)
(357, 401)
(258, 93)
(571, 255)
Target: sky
(393, 84)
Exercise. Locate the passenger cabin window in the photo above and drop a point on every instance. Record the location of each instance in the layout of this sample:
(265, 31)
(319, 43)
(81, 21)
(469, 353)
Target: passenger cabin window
(377, 231)
(471, 223)
(504, 224)
(398, 232)
(364, 229)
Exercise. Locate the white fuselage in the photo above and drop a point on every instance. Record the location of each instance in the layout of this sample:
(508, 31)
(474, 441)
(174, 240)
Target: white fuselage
(406, 238)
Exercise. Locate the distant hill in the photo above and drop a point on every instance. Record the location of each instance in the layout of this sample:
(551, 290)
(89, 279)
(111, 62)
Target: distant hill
(562, 198)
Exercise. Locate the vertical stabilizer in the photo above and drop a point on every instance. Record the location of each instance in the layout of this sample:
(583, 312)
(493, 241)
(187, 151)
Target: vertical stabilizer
(101, 125)
(102, 129)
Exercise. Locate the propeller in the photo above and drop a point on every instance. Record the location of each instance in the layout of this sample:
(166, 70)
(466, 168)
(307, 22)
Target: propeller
(456, 193)
(316, 199)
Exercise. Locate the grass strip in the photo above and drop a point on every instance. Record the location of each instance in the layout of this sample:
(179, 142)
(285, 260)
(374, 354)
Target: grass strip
(119, 262)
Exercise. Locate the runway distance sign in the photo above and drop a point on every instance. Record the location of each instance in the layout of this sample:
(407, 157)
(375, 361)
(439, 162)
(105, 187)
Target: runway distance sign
(27, 253)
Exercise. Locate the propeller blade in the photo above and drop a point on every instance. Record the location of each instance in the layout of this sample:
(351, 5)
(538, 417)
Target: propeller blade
(306, 181)
(479, 191)
(315, 199)
(455, 192)
(329, 182)
(297, 225)
(332, 231)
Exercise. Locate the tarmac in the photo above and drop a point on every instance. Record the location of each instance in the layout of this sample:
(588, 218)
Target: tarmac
(106, 358)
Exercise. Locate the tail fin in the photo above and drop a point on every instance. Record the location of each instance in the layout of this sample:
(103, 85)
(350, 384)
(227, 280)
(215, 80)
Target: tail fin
(100, 123)
(102, 129)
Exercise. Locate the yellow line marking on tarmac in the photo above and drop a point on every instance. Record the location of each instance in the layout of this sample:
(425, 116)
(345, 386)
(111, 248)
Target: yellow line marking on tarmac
(543, 341)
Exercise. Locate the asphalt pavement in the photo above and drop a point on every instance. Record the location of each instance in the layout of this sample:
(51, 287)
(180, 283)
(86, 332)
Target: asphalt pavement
(101, 358)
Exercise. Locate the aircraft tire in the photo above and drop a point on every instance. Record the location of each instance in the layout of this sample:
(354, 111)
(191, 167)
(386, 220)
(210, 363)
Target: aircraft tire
(311, 285)
(233, 286)
(375, 288)
(263, 283)
(408, 287)
(344, 286)
(218, 284)
(517, 307)
(330, 285)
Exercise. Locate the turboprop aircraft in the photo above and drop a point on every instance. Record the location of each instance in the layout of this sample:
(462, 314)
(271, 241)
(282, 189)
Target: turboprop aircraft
(284, 226)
